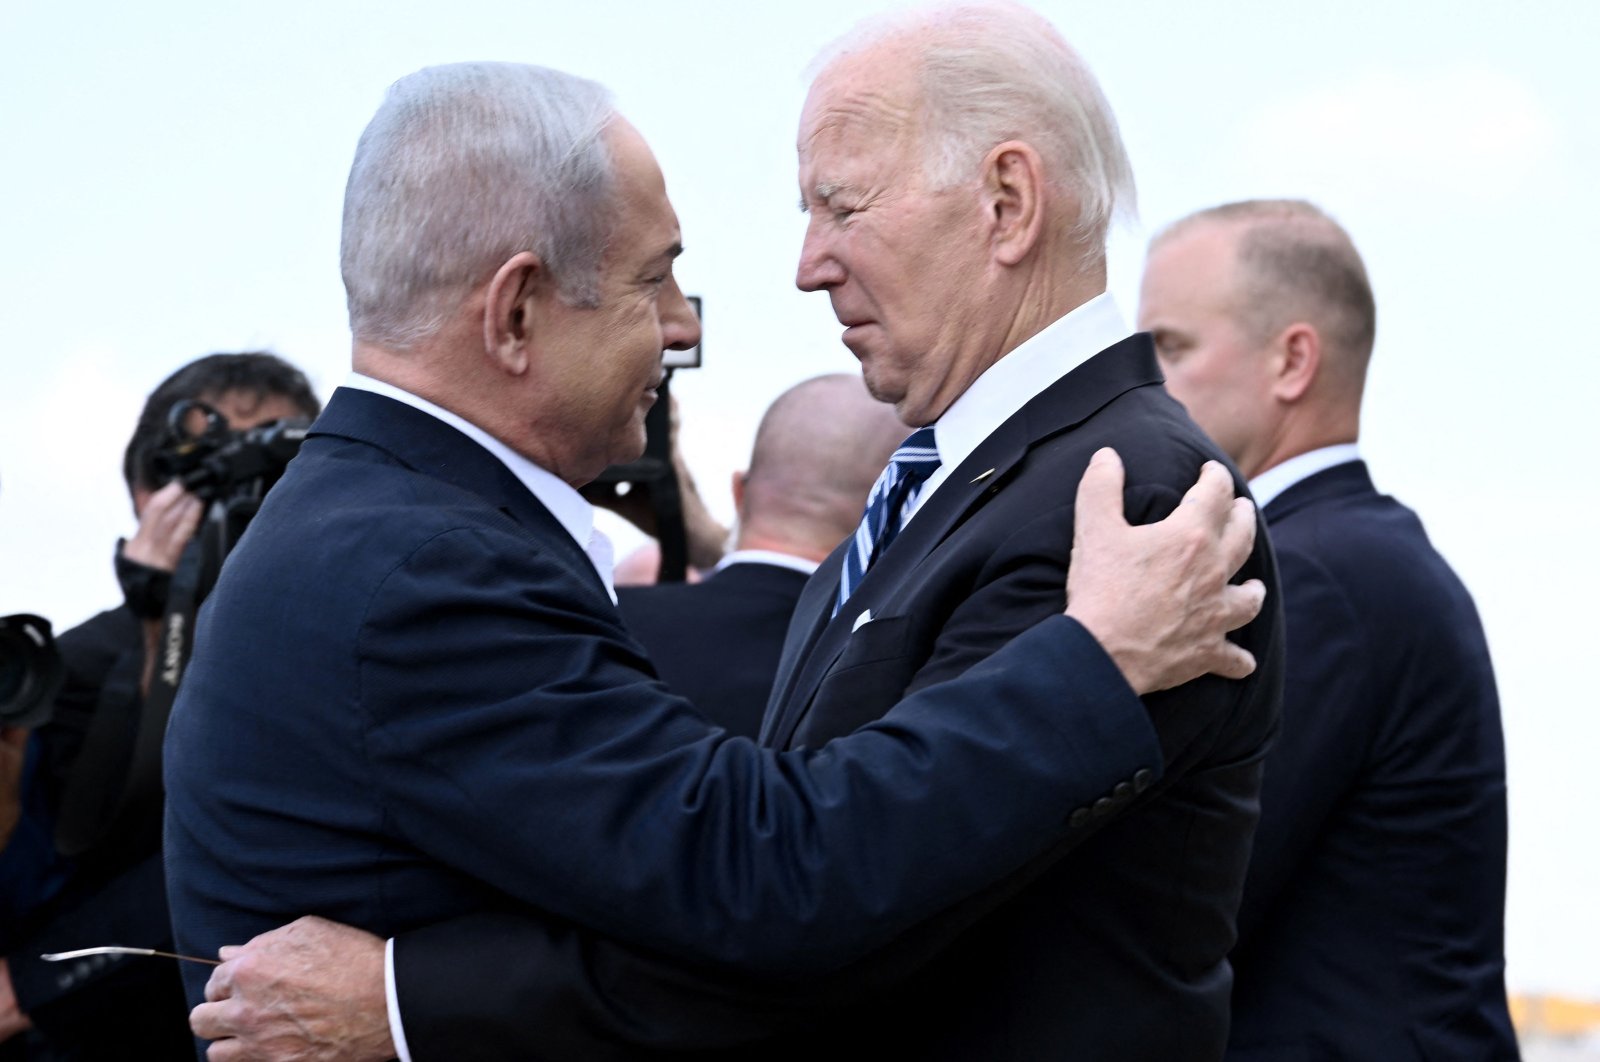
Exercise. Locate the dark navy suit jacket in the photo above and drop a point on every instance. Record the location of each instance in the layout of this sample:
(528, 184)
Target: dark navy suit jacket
(1372, 925)
(411, 698)
(717, 642)
(1113, 945)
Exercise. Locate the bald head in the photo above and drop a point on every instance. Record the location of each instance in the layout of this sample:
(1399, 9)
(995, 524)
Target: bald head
(1264, 320)
(818, 449)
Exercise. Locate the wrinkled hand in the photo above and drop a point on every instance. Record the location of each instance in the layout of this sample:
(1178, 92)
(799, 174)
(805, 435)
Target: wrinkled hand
(1157, 596)
(13, 751)
(311, 991)
(166, 525)
(12, 1019)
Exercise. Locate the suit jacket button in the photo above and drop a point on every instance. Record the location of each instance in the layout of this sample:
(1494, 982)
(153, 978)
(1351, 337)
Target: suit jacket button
(1078, 818)
(1142, 779)
(1103, 807)
(1122, 792)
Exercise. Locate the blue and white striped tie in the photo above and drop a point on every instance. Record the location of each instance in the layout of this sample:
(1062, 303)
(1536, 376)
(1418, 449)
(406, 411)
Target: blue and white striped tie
(896, 489)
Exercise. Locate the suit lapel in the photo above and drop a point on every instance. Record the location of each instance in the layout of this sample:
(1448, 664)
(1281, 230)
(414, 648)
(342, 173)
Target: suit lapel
(991, 466)
(805, 626)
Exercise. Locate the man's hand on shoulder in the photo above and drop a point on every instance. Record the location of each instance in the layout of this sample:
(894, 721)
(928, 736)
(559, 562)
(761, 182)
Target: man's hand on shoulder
(1157, 596)
(312, 991)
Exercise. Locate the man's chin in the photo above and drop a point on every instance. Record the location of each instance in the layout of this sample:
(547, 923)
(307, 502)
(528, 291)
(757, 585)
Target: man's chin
(855, 338)
(879, 388)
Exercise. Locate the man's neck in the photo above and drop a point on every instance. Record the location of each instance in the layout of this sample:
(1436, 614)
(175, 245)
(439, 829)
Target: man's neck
(1053, 290)
(756, 539)
(1301, 432)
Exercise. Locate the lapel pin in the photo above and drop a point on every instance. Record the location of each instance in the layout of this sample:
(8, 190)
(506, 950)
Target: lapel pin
(981, 476)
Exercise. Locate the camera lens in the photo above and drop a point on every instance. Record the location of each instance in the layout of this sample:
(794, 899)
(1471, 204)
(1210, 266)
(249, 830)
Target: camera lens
(30, 670)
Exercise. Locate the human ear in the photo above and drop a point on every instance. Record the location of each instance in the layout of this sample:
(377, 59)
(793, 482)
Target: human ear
(507, 319)
(1300, 359)
(1013, 184)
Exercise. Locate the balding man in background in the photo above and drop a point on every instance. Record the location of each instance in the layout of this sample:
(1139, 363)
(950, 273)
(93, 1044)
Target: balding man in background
(717, 642)
(1372, 924)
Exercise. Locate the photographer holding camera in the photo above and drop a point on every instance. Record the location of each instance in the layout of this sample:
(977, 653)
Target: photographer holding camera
(209, 441)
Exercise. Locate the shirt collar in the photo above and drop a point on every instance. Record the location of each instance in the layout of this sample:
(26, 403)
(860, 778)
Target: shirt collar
(767, 556)
(565, 504)
(1280, 477)
(1009, 384)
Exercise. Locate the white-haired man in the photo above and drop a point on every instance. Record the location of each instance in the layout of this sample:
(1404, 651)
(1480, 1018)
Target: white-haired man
(1373, 914)
(413, 698)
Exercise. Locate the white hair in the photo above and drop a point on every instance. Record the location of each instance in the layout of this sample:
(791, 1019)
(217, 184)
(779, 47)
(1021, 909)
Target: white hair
(992, 72)
(463, 167)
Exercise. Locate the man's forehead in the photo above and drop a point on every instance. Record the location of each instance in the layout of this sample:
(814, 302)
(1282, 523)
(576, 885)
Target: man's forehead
(858, 98)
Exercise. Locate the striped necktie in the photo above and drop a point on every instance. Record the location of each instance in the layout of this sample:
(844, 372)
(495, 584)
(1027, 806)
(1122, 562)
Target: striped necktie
(895, 490)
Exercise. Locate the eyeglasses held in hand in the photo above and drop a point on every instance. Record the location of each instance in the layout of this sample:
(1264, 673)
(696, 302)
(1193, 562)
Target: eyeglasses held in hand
(113, 949)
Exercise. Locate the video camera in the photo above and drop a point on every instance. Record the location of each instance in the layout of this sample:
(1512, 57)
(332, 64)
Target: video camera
(216, 463)
(31, 671)
(228, 470)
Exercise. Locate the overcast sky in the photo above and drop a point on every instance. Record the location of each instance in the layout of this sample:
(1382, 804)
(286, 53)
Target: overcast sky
(172, 184)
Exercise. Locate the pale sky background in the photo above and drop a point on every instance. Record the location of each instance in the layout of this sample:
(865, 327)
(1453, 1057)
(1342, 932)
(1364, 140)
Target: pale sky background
(173, 175)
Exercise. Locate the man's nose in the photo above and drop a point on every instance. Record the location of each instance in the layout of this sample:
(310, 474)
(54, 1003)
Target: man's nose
(680, 325)
(818, 269)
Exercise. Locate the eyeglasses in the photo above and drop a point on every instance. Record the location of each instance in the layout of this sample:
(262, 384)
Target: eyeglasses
(113, 949)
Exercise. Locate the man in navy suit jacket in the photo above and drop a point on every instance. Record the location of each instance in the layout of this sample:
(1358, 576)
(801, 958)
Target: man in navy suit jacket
(412, 697)
(716, 642)
(1372, 920)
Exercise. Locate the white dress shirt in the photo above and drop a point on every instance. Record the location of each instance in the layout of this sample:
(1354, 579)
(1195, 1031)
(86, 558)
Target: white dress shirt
(1010, 383)
(1279, 478)
(767, 556)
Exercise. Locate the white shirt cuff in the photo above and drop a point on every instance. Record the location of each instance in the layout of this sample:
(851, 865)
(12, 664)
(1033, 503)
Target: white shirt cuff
(397, 1031)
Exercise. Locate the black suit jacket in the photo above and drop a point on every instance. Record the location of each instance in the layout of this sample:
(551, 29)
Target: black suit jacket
(717, 642)
(411, 698)
(1111, 946)
(1372, 925)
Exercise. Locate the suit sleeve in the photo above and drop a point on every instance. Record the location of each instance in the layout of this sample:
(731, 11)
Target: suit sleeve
(581, 995)
(491, 682)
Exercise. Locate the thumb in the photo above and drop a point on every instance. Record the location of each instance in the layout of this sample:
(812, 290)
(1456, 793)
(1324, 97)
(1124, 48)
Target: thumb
(1099, 505)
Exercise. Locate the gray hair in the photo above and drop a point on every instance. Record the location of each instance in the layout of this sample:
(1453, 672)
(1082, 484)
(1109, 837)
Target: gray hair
(992, 72)
(463, 167)
(1297, 264)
